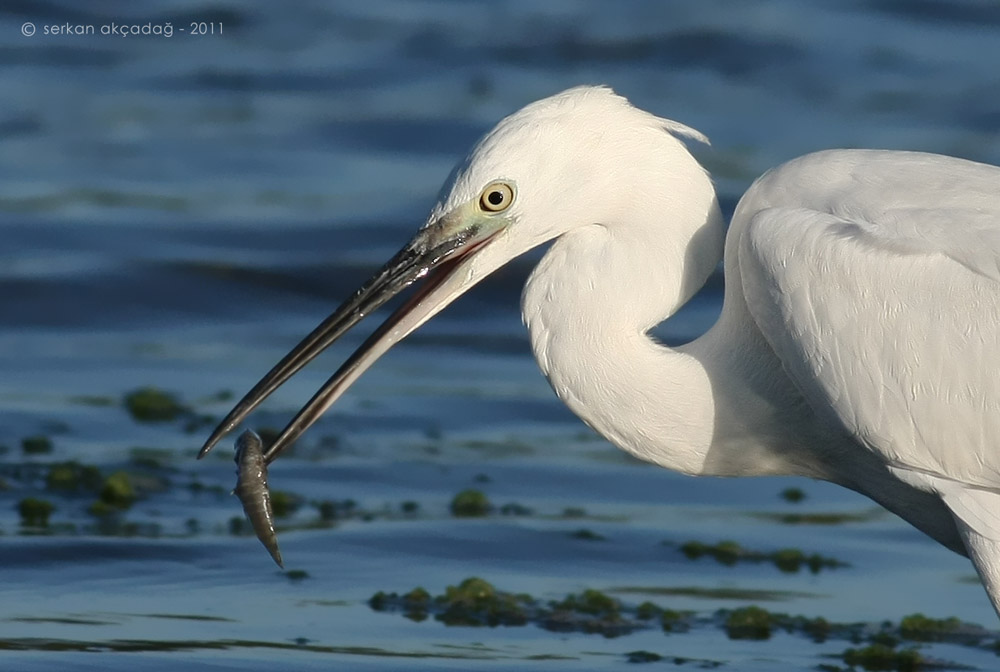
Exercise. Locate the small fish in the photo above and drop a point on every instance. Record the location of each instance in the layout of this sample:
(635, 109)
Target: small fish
(251, 488)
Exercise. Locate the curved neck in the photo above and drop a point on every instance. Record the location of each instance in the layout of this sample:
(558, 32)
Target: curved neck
(592, 298)
(719, 405)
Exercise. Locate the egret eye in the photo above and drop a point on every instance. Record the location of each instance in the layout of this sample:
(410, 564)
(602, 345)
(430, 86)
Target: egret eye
(497, 197)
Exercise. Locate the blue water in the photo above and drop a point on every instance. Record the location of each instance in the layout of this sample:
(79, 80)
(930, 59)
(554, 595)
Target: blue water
(179, 211)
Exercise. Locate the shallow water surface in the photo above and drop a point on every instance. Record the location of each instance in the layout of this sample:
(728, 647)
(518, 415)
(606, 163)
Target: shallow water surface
(178, 212)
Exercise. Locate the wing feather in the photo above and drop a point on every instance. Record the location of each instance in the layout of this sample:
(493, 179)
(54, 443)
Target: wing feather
(889, 327)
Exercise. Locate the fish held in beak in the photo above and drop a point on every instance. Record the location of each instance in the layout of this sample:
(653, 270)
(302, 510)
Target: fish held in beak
(438, 256)
(251, 488)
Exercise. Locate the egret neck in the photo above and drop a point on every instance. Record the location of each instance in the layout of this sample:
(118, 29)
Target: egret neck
(640, 260)
(719, 405)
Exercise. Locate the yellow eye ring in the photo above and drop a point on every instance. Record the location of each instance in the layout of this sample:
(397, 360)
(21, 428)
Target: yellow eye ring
(496, 197)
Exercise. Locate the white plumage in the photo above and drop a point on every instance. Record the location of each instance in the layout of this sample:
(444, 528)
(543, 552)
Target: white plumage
(856, 342)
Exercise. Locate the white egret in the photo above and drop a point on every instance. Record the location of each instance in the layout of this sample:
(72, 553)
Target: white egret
(858, 335)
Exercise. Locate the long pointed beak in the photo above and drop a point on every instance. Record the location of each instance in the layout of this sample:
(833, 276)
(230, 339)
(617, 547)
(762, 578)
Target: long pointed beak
(438, 254)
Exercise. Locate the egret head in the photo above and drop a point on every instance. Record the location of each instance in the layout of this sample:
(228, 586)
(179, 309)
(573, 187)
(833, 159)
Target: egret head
(559, 163)
(551, 166)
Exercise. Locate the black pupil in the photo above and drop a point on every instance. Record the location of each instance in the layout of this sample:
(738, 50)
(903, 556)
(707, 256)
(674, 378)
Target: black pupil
(495, 198)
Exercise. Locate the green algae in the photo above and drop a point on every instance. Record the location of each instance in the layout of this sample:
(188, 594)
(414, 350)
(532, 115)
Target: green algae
(284, 504)
(109, 496)
(592, 602)
(117, 494)
(150, 404)
(820, 518)
(701, 592)
(417, 597)
(724, 552)
(749, 623)
(878, 657)
(789, 560)
(920, 628)
(756, 623)
(818, 629)
(643, 657)
(73, 477)
(38, 444)
(670, 620)
(674, 621)
(792, 495)
(117, 491)
(647, 611)
(473, 602)
(381, 600)
(409, 507)
(470, 504)
(476, 603)
(35, 512)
